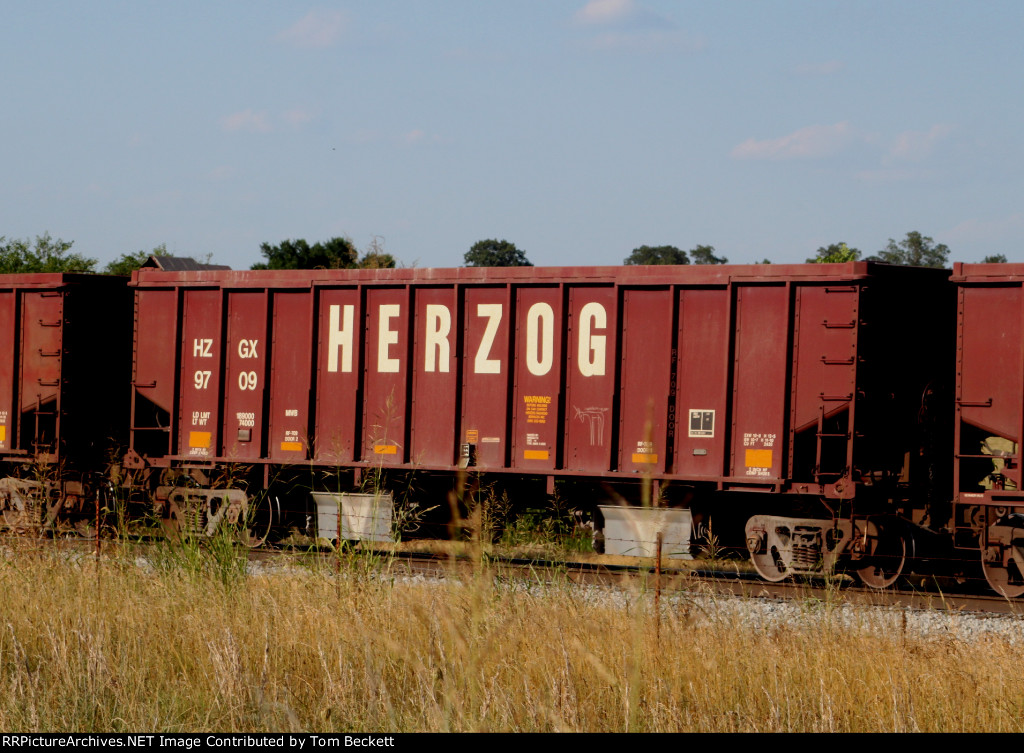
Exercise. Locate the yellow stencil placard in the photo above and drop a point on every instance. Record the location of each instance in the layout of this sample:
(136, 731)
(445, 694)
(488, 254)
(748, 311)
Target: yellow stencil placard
(292, 446)
(385, 449)
(3, 433)
(759, 458)
(645, 457)
(535, 454)
(199, 439)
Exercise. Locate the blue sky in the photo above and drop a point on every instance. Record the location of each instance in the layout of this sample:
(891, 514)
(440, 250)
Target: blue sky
(577, 130)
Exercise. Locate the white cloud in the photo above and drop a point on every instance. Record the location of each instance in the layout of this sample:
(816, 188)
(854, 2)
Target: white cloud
(253, 121)
(246, 120)
(812, 142)
(606, 12)
(915, 146)
(318, 28)
(651, 40)
(619, 14)
(297, 117)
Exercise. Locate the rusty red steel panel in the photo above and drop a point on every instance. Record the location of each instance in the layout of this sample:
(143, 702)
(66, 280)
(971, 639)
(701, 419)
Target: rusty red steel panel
(646, 415)
(434, 411)
(200, 378)
(154, 371)
(590, 379)
(8, 322)
(387, 368)
(538, 378)
(991, 359)
(703, 382)
(339, 367)
(760, 384)
(990, 377)
(245, 376)
(485, 394)
(291, 363)
(42, 319)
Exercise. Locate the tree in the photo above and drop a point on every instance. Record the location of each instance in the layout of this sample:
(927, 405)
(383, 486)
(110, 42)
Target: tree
(657, 255)
(835, 253)
(495, 253)
(995, 259)
(47, 255)
(915, 250)
(706, 255)
(125, 264)
(336, 253)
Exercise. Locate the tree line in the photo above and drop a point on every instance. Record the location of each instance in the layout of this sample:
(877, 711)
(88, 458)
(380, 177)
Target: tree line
(47, 254)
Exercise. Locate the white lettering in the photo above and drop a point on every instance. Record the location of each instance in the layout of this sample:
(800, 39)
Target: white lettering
(540, 326)
(483, 364)
(387, 337)
(247, 380)
(591, 354)
(201, 347)
(247, 348)
(339, 335)
(439, 326)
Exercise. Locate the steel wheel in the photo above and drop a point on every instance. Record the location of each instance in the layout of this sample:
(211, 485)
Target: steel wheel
(769, 566)
(885, 562)
(1005, 581)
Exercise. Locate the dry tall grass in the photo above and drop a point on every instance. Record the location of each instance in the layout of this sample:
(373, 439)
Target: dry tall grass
(194, 648)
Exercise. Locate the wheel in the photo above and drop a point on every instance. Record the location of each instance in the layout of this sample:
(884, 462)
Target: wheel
(769, 564)
(1001, 558)
(1005, 581)
(257, 524)
(885, 560)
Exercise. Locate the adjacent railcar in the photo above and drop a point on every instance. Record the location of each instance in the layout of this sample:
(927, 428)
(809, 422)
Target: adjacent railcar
(66, 354)
(791, 391)
(988, 500)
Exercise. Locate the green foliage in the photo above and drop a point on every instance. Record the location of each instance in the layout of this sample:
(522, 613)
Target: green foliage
(657, 255)
(995, 259)
(706, 255)
(671, 255)
(47, 255)
(125, 264)
(915, 250)
(835, 253)
(495, 253)
(336, 253)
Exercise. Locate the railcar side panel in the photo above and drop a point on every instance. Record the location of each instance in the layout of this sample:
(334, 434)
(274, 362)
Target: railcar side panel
(538, 378)
(200, 395)
(485, 375)
(992, 359)
(386, 362)
(824, 380)
(42, 330)
(760, 386)
(8, 344)
(291, 362)
(154, 371)
(703, 383)
(646, 408)
(339, 366)
(245, 377)
(590, 370)
(436, 366)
